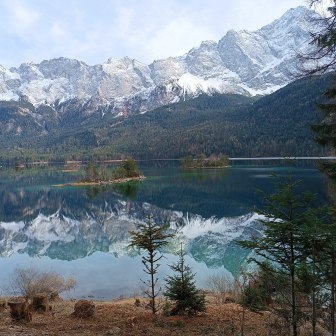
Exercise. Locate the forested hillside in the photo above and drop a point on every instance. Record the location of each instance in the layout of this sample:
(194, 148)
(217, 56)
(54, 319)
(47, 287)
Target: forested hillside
(278, 124)
(235, 125)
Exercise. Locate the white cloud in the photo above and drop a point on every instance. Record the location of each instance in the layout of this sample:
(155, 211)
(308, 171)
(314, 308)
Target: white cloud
(22, 17)
(58, 30)
(175, 39)
(93, 31)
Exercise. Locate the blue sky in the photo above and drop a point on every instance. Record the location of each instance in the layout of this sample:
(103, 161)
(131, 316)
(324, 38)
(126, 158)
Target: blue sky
(94, 30)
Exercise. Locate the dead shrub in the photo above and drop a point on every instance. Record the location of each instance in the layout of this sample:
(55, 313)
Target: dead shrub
(28, 282)
(222, 287)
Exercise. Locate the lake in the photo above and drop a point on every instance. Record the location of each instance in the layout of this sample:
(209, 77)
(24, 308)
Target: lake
(82, 232)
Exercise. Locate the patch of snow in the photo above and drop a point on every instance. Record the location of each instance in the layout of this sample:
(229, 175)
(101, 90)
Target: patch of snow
(12, 226)
(176, 99)
(192, 84)
(265, 91)
(9, 95)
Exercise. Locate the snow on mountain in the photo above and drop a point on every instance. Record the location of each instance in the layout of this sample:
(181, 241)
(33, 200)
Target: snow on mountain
(243, 62)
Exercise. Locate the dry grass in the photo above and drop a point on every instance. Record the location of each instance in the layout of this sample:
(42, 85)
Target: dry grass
(122, 317)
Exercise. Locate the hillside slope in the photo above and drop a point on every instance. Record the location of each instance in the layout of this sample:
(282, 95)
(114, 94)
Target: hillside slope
(275, 125)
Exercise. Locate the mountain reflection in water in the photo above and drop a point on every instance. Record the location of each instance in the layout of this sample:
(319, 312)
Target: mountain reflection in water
(208, 209)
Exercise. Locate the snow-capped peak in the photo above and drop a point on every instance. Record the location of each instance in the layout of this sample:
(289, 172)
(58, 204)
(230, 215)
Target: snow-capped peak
(242, 62)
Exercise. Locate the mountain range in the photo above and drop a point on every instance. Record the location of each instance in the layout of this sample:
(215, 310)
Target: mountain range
(242, 62)
(64, 105)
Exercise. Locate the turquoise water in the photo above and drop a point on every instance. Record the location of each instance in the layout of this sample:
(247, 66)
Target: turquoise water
(82, 232)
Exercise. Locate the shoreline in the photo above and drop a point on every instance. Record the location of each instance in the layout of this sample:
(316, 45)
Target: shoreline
(121, 180)
(219, 167)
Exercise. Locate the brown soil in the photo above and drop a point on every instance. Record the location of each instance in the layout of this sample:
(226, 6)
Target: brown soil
(123, 317)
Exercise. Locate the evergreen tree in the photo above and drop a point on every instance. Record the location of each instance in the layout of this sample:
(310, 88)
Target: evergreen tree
(324, 59)
(326, 263)
(324, 38)
(91, 172)
(128, 168)
(181, 288)
(310, 278)
(326, 130)
(324, 56)
(285, 215)
(151, 237)
(131, 168)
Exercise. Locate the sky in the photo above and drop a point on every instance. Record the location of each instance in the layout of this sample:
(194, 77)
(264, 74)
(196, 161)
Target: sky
(95, 30)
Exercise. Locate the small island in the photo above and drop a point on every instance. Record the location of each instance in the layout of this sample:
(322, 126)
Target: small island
(125, 172)
(201, 161)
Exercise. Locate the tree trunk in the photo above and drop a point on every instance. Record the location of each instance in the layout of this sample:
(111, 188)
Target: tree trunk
(314, 289)
(152, 283)
(333, 280)
(293, 296)
(242, 323)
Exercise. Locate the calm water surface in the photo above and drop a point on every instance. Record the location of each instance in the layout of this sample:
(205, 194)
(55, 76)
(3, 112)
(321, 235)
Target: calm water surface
(82, 232)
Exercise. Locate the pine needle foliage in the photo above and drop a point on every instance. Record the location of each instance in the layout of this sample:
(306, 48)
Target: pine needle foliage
(181, 288)
(286, 215)
(151, 237)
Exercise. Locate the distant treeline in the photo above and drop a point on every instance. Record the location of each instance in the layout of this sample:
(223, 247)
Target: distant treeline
(201, 161)
(275, 125)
